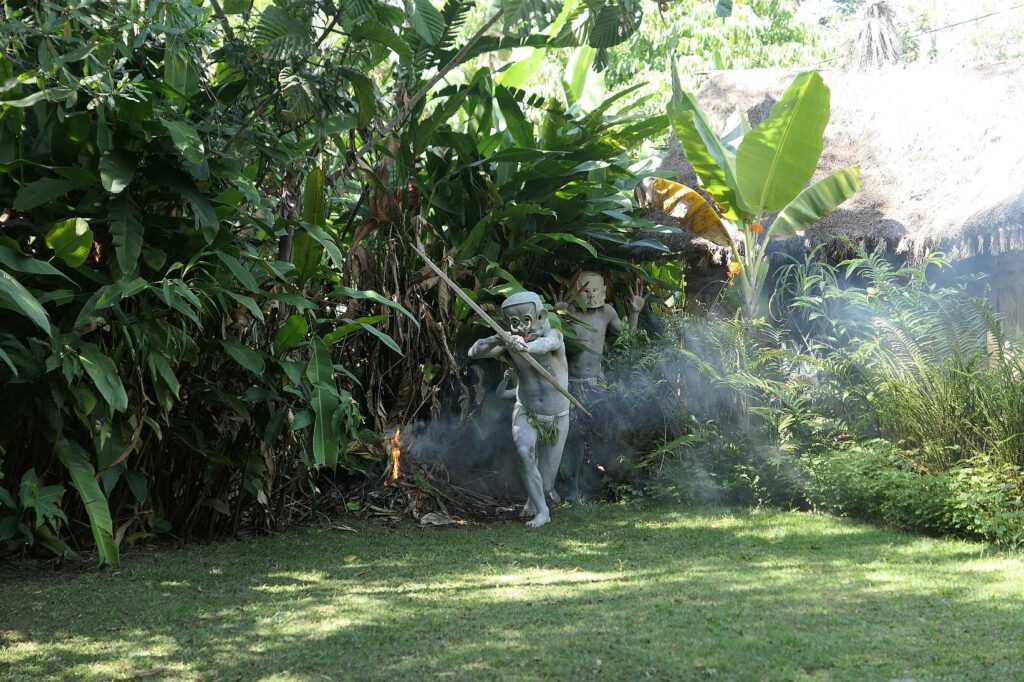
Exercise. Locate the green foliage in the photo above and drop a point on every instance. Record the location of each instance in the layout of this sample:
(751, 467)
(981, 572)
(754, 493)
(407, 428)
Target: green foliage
(817, 201)
(552, 198)
(83, 477)
(874, 393)
(204, 283)
(754, 173)
(695, 37)
(925, 366)
(507, 191)
(876, 481)
(776, 159)
(152, 326)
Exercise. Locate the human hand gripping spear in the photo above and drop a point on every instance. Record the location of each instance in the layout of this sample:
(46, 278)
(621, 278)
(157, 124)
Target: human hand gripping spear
(501, 332)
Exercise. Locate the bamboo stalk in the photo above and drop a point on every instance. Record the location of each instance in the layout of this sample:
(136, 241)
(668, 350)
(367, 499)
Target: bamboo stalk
(501, 332)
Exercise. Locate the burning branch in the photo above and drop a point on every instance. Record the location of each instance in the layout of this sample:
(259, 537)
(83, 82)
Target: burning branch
(394, 457)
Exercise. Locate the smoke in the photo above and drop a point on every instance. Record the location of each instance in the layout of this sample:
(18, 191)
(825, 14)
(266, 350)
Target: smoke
(704, 410)
(477, 453)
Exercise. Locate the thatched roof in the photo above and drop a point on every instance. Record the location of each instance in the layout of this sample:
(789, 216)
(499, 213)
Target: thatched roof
(941, 150)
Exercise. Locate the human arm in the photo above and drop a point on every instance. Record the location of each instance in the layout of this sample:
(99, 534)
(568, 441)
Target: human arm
(503, 390)
(635, 302)
(487, 347)
(614, 323)
(549, 342)
(634, 305)
(565, 297)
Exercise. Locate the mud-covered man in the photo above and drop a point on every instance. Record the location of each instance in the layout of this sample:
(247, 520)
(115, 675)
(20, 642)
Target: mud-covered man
(540, 419)
(594, 321)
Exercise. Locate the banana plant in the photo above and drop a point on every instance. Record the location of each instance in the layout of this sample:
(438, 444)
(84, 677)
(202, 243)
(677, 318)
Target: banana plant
(754, 173)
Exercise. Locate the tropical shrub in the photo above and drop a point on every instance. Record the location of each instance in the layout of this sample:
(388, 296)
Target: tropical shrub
(164, 348)
(752, 174)
(197, 200)
(502, 203)
(923, 365)
(876, 481)
(874, 393)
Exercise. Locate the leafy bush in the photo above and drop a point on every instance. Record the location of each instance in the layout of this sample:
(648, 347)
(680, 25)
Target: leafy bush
(922, 365)
(161, 350)
(862, 350)
(988, 501)
(876, 481)
(205, 212)
(873, 480)
(701, 385)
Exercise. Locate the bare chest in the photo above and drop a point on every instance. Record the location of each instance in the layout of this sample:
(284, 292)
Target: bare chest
(591, 328)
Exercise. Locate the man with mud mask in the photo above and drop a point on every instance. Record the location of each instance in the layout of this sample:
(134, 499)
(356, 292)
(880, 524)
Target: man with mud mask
(540, 419)
(594, 321)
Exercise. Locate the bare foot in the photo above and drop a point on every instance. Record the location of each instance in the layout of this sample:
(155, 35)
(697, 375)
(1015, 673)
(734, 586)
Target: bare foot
(539, 520)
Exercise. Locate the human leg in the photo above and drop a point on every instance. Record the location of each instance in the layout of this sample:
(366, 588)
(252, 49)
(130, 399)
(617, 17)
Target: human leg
(524, 435)
(549, 455)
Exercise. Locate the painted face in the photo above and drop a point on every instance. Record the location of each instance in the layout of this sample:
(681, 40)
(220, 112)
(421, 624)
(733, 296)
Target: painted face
(522, 319)
(592, 289)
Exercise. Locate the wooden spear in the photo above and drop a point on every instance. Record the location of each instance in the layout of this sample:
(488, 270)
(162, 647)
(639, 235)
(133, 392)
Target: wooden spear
(501, 332)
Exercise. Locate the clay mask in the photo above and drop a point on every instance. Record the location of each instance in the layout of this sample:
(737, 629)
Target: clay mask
(592, 289)
(522, 319)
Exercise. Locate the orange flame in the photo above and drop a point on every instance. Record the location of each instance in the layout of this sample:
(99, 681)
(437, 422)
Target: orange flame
(396, 455)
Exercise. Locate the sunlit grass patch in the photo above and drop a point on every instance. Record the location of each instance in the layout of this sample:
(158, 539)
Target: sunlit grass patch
(604, 591)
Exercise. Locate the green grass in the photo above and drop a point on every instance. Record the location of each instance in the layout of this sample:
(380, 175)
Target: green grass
(605, 592)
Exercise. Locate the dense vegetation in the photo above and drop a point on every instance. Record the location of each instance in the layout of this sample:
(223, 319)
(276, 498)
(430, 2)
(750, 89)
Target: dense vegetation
(206, 280)
(210, 310)
(871, 392)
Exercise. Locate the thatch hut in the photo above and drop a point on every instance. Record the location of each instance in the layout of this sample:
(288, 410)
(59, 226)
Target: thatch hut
(941, 149)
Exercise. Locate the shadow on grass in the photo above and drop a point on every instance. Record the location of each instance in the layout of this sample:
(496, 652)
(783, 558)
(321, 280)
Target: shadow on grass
(604, 591)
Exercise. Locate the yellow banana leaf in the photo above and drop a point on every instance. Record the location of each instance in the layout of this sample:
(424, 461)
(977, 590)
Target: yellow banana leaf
(689, 209)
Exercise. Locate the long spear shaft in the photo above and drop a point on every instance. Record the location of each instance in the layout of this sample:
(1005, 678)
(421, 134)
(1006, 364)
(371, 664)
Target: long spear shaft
(501, 332)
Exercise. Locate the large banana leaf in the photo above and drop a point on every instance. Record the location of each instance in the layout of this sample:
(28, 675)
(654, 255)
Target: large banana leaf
(778, 158)
(686, 206)
(83, 477)
(817, 201)
(736, 127)
(714, 164)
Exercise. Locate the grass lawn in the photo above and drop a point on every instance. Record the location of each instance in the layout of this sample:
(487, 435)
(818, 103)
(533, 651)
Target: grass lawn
(604, 592)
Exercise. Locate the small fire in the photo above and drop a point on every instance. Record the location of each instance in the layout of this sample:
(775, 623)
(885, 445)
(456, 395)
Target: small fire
(396, 456)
